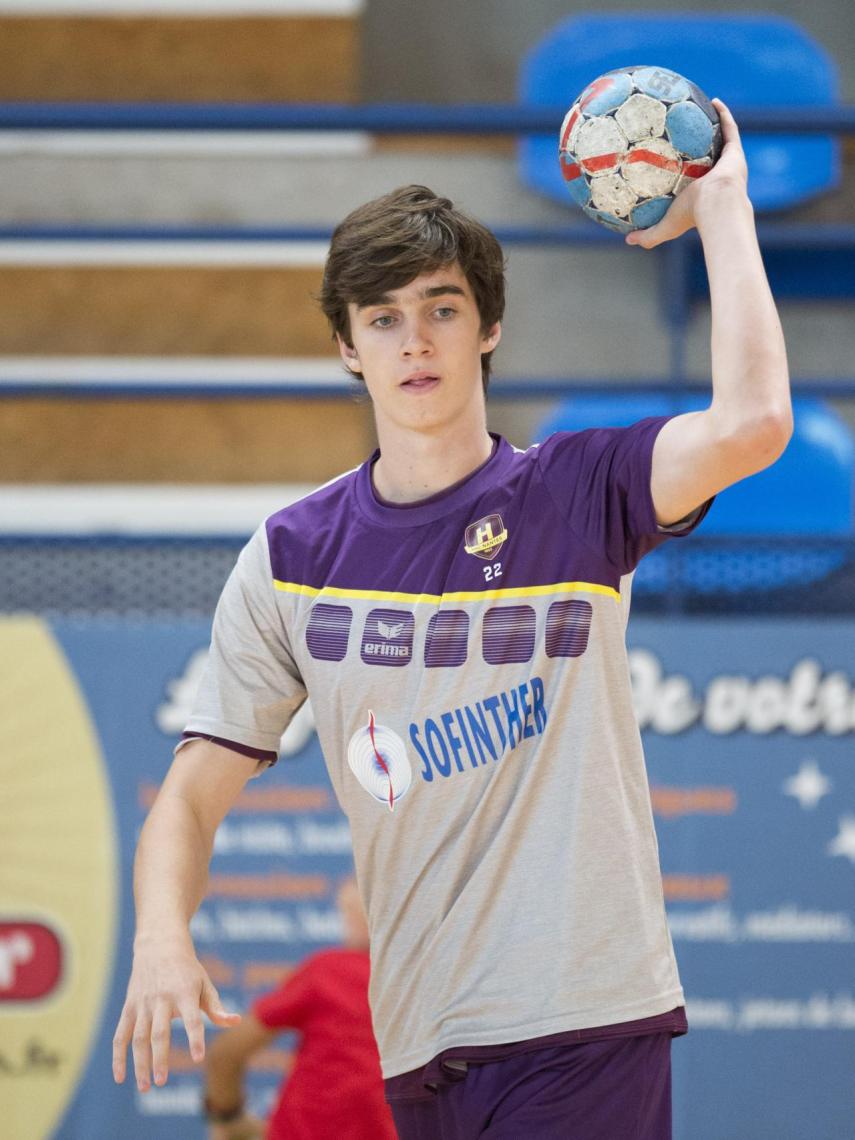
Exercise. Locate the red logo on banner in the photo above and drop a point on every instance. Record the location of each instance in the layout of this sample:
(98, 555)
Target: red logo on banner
(31, 960)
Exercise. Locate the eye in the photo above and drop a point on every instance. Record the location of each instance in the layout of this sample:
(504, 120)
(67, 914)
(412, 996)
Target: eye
(383, 321)
(445, 312)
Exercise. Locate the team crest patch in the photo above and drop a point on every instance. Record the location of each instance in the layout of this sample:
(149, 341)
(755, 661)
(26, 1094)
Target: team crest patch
(486, 537)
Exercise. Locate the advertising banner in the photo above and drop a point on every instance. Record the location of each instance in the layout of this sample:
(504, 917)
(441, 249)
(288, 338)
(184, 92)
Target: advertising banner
(748, 729)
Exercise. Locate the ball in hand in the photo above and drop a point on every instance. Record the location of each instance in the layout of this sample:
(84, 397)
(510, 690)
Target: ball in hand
(632, 141)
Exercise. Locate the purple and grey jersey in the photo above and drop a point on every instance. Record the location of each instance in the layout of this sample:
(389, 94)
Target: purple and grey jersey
(466, 664)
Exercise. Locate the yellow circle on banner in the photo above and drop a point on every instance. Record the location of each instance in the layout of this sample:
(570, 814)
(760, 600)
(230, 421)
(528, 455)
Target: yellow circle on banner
(58, 881)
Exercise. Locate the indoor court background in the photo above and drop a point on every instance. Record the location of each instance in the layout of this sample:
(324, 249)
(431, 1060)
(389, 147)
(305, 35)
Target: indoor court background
(166, 381)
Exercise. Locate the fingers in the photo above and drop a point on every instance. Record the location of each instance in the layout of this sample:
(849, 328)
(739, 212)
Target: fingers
(150, 1037)
(680, 215)
(146, 1022)
(141, 1048)
(675, 222)
(213, 1006)
(195, 1027)
(731, 162)
(729, 129)
(161, 1034)
(645, 238)
(648, 239)
(121, 1039)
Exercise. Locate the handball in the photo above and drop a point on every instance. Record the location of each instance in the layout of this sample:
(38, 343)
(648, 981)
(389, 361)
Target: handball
(632, 141)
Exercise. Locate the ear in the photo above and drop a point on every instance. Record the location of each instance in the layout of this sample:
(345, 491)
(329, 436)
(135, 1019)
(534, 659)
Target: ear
(492, 338)
(348, 354)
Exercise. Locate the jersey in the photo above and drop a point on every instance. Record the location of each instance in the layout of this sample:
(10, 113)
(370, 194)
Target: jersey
(466, 662)
(335, 1087)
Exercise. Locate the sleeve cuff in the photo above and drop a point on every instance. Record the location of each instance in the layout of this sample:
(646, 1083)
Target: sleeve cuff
(260, 754)
(686, 525)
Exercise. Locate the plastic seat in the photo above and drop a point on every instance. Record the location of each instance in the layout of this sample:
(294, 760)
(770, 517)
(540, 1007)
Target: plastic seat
(809, 491)
(748, 60)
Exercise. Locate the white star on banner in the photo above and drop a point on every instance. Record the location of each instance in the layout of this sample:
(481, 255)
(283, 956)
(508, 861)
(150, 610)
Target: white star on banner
(844, 843)
(808, 785)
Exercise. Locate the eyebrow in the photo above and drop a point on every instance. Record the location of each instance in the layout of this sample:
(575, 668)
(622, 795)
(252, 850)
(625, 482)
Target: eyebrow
(426, 294)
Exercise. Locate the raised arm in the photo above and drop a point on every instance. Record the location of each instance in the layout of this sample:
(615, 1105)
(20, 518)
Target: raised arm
(170, 877)
(749, 421)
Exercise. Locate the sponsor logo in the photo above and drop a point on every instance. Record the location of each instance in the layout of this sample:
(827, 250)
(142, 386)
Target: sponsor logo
(486, 537)
(31, 961)
(388, 637)
(378, 649)
(471, 736)
(378, 758)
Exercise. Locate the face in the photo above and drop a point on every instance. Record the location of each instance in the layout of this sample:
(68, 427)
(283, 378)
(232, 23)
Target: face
(418, 350)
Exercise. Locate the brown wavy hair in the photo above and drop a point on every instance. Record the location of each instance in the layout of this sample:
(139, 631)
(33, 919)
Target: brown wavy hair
(385, 244)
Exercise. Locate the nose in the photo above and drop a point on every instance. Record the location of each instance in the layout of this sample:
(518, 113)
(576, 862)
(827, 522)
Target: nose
(416, 340)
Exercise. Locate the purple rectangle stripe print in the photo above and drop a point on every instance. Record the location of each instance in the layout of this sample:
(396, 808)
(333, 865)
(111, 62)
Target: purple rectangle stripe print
(509, 633)
(328, 632)
(567, 627)
(447, 638)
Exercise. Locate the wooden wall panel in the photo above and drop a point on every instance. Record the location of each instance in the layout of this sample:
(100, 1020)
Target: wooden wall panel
(161, 311)
(181, 440)
(174, 59)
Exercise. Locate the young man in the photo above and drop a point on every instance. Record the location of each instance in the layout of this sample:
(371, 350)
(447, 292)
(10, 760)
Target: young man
(334, 1087)
(455, 609)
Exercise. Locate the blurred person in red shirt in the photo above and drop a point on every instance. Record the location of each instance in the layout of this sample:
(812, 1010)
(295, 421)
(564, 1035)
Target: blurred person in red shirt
(335, 1088)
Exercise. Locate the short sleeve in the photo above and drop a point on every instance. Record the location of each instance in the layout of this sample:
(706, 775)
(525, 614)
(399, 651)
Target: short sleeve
(600, 480)
(251, 687)
(290, 1004)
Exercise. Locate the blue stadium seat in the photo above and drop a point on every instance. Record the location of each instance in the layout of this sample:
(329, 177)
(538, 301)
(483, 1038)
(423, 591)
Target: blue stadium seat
(809, 491)
(749, 60)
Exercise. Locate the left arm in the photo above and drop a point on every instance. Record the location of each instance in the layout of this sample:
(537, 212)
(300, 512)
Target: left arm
(227, 1058)
(749, 421)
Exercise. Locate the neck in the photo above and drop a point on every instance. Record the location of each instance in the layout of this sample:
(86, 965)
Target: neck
(414, 466)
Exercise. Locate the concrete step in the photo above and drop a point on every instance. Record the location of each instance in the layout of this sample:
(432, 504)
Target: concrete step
(162, 57)
(238, 179)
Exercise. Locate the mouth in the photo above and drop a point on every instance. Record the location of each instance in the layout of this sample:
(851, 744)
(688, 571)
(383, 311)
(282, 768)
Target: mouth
(420, 381)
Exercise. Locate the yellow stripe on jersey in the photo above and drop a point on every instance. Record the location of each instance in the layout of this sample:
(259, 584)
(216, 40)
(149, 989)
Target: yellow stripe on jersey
(437, 599)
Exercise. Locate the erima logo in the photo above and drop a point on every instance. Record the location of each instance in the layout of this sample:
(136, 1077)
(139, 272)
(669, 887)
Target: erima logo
(486, 537)
(387, 638)
(382, 649)
(389, 631)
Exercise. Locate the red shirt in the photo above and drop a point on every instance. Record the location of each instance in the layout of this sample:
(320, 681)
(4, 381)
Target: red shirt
(335, 1088)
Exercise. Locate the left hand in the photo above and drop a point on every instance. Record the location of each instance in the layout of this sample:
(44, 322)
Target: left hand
(245, 1127)
(731, 171)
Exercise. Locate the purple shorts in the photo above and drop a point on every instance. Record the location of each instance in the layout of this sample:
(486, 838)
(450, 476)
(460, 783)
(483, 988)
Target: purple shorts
(613, 1089)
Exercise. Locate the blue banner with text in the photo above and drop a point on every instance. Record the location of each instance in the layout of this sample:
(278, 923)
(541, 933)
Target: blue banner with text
(749, 732)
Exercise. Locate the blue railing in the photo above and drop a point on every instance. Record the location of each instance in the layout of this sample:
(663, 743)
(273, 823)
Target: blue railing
(511, 388)
(773, 235)
(379, 118)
